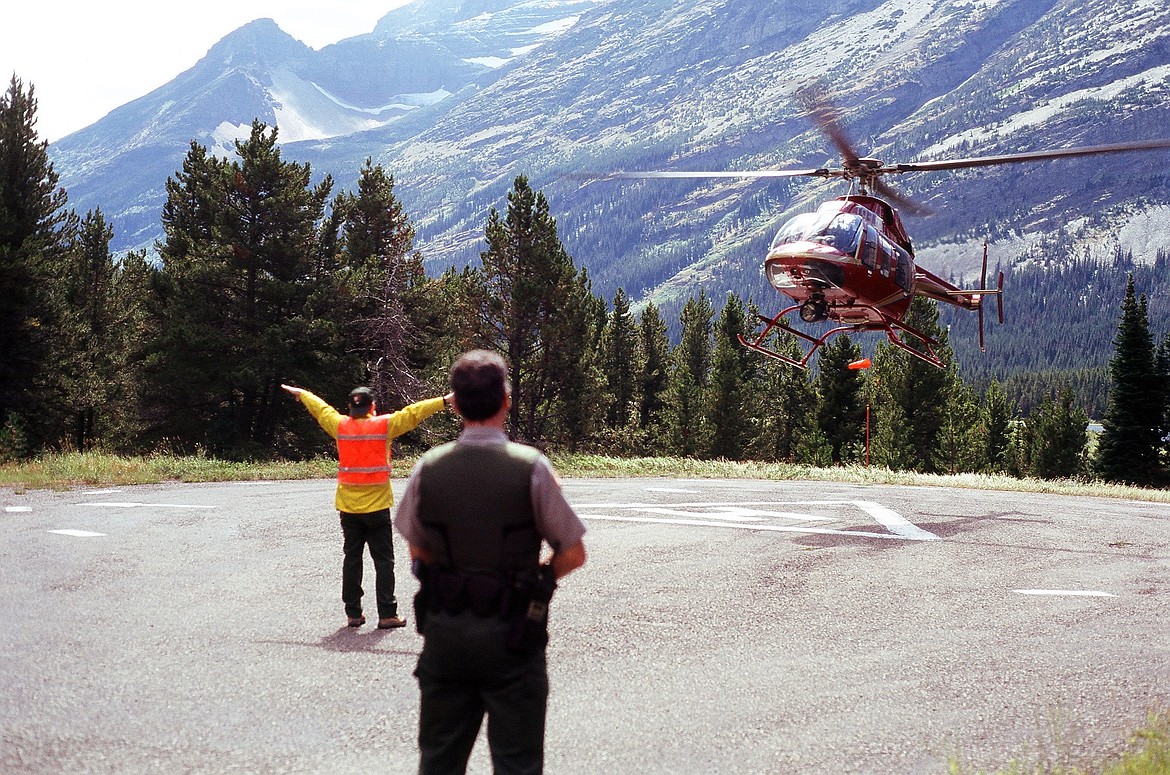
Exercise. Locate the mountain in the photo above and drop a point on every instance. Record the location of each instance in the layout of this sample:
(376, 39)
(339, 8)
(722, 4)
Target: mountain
(456, 97)
(413, 60)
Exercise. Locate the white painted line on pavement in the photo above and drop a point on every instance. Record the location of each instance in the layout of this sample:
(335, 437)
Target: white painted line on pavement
(743, 526)
(77, 533)
(1064, 592)
(895, 522)
(113, 504)
(670, 489)
(17, 509)
(754, 515)
(100, 492)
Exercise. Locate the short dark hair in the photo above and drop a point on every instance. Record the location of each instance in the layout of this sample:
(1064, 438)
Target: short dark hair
(479, 380)
(361, 399)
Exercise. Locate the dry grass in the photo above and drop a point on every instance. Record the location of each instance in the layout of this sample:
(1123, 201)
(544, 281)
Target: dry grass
(61, 471)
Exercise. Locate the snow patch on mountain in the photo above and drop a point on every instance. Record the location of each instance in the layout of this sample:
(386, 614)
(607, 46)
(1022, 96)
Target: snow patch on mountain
(222, 139)
(1145, 233)
(1045, 112)
(401, 101)
(554, 27)
(546, 31)
(304, 111)
(492, 62)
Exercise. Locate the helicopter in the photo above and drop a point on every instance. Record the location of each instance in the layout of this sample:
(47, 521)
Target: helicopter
(851, 261)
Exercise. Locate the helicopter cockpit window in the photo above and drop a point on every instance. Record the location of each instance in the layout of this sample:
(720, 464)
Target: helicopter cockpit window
(843, 233)
(840, 231)
(796, 228)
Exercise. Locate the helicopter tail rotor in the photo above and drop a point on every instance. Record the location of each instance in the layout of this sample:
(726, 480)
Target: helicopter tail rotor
(983, 284)
(998, 293)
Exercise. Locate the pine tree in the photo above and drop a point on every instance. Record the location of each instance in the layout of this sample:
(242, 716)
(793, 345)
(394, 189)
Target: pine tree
(790, 404)
(960, 441)
(1162, 368)
(34, 229)
(654, 378)
(1058, 436)
(621, 362)
(1020, 450)
(1128, 446)
(531, 304)
(578, 366)
(101, 325)
(241, 269)
(732, 411)
(691, 374)
(913, 397)
(841, 413)
(382, 275)
(997, 415)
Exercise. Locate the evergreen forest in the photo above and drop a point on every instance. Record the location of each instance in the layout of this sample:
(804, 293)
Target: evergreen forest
(266, 277)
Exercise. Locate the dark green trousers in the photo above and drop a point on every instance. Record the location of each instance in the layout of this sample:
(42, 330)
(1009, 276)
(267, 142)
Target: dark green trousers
(465, 672)
(373, 530)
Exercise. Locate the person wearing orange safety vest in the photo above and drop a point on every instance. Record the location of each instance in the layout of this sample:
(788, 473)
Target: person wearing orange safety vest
(364, 497)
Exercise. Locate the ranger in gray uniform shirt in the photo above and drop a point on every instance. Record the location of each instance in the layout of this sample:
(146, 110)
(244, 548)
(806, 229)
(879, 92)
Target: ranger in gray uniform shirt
(476, 513)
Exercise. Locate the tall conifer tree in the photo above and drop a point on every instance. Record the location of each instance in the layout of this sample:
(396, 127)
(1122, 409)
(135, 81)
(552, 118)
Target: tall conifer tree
(692, 372)
(1129, 445)
(997, 414)
(912, 397)
(233, 300)
(960, 438)
(383, 275)
(1162, 368)
(732, 410)
(1058, 436)
(621, 362)
(102, 325)
(841, 413)
(531, 303)
(654, 378)
(34, 229)
(790, 404)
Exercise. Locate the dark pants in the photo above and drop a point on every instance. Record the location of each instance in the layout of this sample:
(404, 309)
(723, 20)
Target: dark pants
(373, 529)
(464, 671)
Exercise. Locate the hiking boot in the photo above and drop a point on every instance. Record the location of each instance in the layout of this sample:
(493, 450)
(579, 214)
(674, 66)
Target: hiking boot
(391, 622)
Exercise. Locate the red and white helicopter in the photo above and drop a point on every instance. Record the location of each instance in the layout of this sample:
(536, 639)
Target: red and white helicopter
(851, 261)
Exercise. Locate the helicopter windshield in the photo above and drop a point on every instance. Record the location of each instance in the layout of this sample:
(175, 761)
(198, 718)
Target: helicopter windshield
(838, 230)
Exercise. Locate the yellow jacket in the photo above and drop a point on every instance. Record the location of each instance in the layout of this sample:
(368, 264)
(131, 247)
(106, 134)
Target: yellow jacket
(364, 498)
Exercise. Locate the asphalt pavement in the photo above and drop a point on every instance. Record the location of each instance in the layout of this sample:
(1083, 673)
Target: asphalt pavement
(718, 627)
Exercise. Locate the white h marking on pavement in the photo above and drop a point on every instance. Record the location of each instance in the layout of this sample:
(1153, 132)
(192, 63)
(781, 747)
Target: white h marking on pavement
(757, 515)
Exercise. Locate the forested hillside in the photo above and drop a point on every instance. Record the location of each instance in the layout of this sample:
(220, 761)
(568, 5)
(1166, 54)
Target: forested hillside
(1062, 311)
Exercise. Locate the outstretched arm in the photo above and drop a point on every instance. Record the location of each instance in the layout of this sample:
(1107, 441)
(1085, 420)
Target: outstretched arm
(410, 417)
(325, 415)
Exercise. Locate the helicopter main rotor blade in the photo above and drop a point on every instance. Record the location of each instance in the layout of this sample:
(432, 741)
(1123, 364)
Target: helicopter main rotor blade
(1012, 158)
(822, 111)
(902, 201)
(819, 173)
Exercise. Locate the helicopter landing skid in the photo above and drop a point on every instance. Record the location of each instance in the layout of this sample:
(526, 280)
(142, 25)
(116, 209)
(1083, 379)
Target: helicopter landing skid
(894, 332)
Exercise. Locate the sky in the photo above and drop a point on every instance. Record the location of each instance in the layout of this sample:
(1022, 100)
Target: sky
(86, 57)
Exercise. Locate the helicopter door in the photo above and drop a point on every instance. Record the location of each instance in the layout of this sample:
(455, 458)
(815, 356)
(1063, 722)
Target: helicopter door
(870, 253)
(903, 274)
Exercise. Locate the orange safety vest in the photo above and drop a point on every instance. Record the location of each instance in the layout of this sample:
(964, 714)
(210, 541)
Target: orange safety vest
(363, 451)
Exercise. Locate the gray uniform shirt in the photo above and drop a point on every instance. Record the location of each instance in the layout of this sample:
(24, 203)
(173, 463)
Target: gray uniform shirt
(555, 519)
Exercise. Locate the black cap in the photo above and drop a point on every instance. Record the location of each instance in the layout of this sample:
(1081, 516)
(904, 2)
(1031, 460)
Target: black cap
(360, 401)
